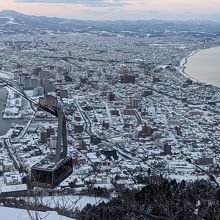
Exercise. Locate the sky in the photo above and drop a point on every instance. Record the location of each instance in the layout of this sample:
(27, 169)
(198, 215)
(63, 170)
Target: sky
(118, 9)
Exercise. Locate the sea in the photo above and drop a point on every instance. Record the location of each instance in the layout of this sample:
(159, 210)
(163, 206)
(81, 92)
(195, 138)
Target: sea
(204, 66)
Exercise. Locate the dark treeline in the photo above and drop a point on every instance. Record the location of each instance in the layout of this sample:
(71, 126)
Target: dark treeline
(168, 200)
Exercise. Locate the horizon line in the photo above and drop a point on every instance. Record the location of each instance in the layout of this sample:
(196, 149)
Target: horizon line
(115, 20)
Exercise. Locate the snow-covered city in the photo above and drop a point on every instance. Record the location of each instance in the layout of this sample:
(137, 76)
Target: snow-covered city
(85, 116)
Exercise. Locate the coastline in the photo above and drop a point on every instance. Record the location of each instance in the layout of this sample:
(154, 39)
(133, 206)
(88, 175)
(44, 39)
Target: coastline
(184, 62)
(11, 119)
(8, 76)
(10, 92)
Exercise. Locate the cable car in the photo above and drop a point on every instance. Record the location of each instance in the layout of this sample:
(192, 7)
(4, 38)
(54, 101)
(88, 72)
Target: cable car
(48, 173)
(52, 170)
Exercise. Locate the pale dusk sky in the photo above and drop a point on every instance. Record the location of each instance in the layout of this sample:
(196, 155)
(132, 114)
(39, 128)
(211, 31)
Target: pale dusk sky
(118, 9)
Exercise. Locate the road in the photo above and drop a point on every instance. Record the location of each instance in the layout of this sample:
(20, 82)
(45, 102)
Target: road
(88, 123)
(16, 161)
(138, 116)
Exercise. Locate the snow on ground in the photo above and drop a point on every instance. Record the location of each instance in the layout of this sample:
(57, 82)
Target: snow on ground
(6, 75)
(187, 177)
(20, 214)
(71, 202)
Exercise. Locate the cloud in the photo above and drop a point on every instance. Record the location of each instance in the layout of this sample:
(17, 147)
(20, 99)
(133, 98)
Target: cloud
(91, 3)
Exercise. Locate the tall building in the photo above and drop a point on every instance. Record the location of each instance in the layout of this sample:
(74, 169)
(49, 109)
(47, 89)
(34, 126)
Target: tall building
(45, 75)
(111, 96)
(38, 91)
(49, 86)
(145, 132)
(167, 149)
(82, 145)
(48, 101)
(128, 78)
(147, 93)
(43, 137)
(134, 102)
(22, 77)
(50, 131)
(63, 93)
(78, 128)
(28, 82)
(53, 141)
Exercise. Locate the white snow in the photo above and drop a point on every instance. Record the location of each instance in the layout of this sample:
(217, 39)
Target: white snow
(13, 188)
(20, 214)
(6, 75)
(71, 202)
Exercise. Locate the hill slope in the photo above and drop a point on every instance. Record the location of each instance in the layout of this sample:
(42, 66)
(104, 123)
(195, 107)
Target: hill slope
(14, 22)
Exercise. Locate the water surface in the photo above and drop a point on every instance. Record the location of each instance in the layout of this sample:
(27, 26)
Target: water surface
(205, 66)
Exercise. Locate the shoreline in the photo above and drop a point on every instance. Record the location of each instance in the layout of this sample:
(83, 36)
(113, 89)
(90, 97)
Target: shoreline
(184, 62)
(9, 91)
(16, 119)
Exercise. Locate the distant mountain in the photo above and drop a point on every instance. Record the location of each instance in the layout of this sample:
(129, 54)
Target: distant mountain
(14, 22)
(9, 13)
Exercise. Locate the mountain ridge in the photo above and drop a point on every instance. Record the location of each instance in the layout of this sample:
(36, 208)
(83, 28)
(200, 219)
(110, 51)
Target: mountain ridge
(142, 27)
(8, 12)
